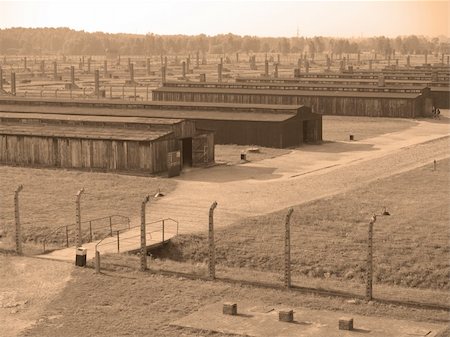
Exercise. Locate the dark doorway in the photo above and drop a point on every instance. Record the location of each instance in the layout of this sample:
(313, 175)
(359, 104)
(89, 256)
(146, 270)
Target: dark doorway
(187, 151)
(305, 131)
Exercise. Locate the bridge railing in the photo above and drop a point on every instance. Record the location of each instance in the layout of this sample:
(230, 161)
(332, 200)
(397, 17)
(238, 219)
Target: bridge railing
(91, 230)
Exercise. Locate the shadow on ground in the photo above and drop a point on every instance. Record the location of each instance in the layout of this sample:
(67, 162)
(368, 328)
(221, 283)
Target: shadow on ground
(338, 147)
(226, 173)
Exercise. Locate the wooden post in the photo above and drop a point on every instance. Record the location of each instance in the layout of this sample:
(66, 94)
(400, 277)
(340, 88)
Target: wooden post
(1, 78)
(17, 220)
(275, 72)
(79, 237)
(287, 249)
(144, 235)
(212, 249)
(369, 271)
(148, 66)
(266, 68)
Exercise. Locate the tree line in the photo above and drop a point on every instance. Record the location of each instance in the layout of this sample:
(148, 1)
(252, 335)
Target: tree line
(50, 41)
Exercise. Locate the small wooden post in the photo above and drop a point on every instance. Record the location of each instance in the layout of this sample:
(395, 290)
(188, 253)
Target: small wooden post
(212, 249)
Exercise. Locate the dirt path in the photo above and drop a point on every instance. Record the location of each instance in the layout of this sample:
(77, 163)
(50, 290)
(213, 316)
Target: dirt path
(27, 285)
(305, 174)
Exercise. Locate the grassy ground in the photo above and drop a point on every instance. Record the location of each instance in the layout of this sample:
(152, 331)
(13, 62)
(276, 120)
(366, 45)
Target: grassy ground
(124, 302)
(329, 236)
(338, 128)
(48, 198)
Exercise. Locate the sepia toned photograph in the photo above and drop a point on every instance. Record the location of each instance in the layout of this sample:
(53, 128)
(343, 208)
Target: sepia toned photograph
(213, 168)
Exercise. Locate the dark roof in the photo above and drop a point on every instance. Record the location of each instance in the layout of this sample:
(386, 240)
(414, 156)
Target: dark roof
(102, 113)
(307, 80)
(289, 85)
(144, 105)
(53, 115)
(60, 131)
(292, 92)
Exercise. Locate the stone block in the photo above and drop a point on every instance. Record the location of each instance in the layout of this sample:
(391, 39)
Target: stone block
(345, 323)
(286, 315)
(230, 308)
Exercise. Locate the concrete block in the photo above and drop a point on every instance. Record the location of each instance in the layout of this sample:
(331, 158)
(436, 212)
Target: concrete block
(345, 323)
(229, 308)
(286, 315)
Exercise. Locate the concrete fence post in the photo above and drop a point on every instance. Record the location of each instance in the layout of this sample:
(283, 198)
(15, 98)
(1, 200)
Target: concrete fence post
(97, 83)
(144, 235)
(17, 220)
(369, 271)
(163, 74)
(212, 248)
(97, 262)
(105, 68)
(219, 72)
(287, 249)
(183, 69)
(131, 69)
(79, 237)
(55, 70)
(13, 83)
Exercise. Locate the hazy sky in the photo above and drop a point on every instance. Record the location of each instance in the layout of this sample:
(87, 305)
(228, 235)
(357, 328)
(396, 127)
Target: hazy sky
(262, 18)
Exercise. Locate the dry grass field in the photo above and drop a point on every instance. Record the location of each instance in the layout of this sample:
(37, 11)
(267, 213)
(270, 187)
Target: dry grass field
(125, 302)
(329, 236)
(48, 198)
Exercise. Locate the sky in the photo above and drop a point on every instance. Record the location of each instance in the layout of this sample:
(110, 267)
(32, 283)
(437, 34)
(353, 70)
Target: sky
(261, 18)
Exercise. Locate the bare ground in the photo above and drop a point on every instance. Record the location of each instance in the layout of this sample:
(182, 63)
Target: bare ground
(26, 287)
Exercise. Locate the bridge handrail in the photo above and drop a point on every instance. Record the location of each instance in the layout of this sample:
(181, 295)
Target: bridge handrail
(117, 241)
(110, 217)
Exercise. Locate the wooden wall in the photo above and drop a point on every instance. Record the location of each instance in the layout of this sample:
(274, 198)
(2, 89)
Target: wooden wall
(326, 105)
(91, 154)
